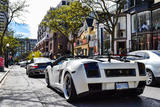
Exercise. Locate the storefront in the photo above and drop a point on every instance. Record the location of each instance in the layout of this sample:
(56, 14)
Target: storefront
(141, 31)
(141, 41)
(156, 41)
(121, 45)
(156, 28)
(141, 22)
(82, 50)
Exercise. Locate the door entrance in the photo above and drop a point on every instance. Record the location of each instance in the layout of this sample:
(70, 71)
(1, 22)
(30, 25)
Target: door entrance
(121, 47)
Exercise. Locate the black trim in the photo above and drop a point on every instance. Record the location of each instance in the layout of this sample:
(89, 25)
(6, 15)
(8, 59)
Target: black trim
(157, 79)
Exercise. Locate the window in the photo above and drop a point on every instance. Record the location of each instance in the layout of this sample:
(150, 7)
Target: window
(68, 3)
(46, 49)
(141, 21)
(50, 46)
(63, 2)
(156, 19)
(131, 3)
(41, 60)
(138, 2)
(46, 43)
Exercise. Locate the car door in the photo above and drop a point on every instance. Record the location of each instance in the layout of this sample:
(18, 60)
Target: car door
(55, 71)
(58, 71)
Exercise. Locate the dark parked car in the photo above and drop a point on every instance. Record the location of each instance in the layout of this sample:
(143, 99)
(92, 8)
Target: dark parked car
(37, 66)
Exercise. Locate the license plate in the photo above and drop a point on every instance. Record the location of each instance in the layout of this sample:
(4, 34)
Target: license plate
(121, 86)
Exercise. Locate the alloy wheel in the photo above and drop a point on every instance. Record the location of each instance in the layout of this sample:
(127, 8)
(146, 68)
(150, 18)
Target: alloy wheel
(67, 86)
(149, 78)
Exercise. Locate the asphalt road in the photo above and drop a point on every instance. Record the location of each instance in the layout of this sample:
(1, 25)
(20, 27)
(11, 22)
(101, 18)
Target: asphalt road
(18, 90)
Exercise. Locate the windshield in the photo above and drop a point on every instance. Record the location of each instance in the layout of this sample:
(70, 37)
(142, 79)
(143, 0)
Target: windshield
(156, 52)
(41, 60)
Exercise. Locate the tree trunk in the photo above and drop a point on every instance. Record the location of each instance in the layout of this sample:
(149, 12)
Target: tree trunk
(72, 48)
(74, 39)
(112, 42)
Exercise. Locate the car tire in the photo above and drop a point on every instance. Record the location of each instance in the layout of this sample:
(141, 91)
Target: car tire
(30, 74)
(47, 79)
(26, 72)
(69, 88)
(150, 78)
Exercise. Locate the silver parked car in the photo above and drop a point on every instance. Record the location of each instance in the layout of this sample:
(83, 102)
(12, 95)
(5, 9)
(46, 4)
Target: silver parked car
(37, 66)
(151, 59)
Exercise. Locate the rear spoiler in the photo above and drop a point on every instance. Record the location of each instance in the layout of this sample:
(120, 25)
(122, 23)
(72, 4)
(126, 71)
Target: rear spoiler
(119, 57)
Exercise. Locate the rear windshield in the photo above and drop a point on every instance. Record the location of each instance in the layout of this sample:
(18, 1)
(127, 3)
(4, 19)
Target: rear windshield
(41, 60)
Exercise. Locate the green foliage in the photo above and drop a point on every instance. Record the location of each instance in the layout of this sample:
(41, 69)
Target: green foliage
(67, 20)
(11, 11)
(17, 59)
(22, 57)
(13, 44)
(34, 55)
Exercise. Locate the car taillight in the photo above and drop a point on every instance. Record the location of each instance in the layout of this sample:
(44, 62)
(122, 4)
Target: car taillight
(92, 70)
(33, 67)
(142, 70)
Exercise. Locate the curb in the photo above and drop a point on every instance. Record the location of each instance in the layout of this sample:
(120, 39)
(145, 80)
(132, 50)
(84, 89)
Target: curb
(2, 78)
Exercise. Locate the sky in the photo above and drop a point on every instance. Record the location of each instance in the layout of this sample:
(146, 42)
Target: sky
(36, 11)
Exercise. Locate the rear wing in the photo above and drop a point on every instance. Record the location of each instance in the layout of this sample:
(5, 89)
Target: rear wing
(119, 57)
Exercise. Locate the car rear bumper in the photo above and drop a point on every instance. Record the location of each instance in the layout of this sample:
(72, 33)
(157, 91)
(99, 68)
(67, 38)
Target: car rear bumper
(107, 84)
(37, 72)
(97, 89)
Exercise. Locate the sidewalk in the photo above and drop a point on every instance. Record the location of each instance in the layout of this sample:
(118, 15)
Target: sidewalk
(3, 74)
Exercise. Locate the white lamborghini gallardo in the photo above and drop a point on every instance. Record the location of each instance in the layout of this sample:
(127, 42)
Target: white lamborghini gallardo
(76, 76)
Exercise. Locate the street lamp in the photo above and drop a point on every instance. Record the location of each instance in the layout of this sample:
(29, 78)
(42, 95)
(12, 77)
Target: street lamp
(7, 55)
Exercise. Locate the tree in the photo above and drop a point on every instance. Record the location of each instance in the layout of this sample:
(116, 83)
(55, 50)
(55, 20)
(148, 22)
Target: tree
(106, 12)
(13, 44)
(67, 20)
(34, 55)
(22, 57)
(11, 11)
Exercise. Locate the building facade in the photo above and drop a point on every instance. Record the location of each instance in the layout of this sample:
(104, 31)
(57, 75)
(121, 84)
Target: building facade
(27, 45)
(64, 2)
(42, 40)
(57, 45)
(51, 44)
(138, 27)
(144, 18)
(3, 15)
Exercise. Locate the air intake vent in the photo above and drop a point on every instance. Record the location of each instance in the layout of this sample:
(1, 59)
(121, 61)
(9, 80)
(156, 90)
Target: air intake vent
(120, 72)
(141, 67)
